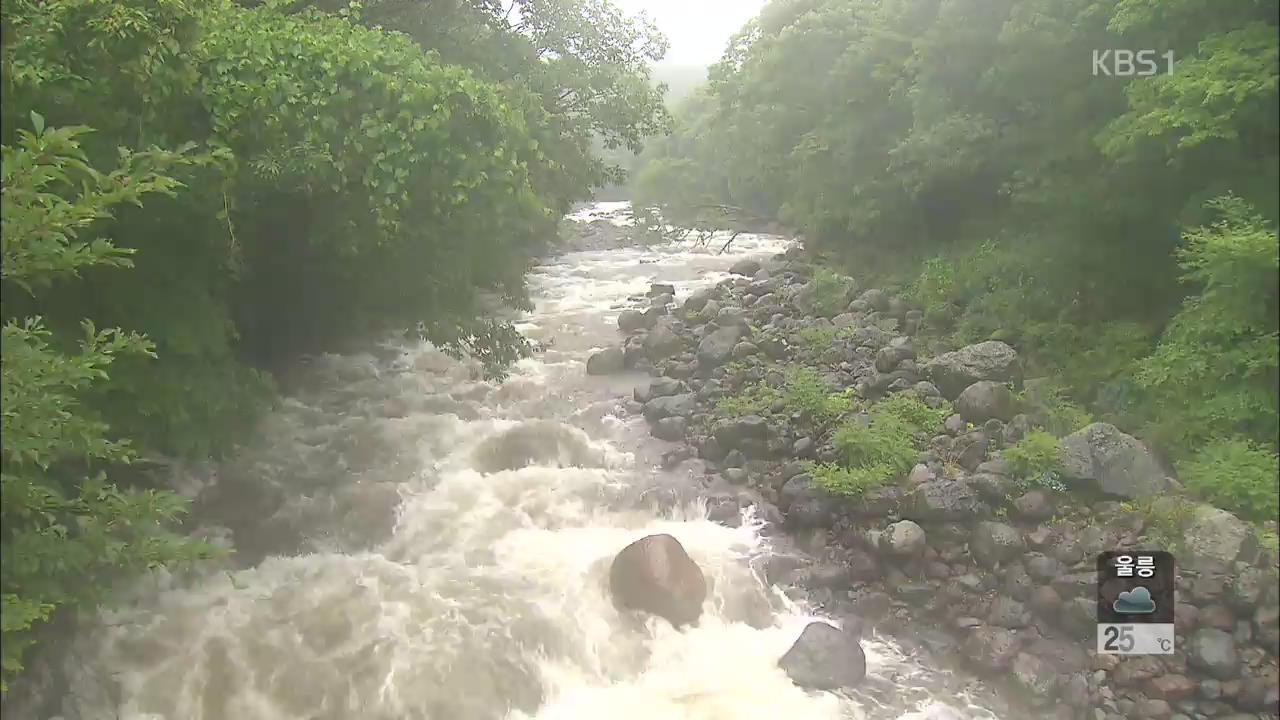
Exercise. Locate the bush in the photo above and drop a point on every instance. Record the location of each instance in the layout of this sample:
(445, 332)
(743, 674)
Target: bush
(1236, 475)
(755, 399)
(1215, 371)
(1035, 460)
(68, 533)
(883, 444)
(848, 481)
(830, 292)
(805, 393)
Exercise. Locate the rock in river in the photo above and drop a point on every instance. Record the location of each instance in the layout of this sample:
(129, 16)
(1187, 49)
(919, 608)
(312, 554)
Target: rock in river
(654, 574)
(825, 658)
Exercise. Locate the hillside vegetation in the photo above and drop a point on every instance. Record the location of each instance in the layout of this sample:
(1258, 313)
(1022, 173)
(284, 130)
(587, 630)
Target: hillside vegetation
(228, 186)
(1119, 230)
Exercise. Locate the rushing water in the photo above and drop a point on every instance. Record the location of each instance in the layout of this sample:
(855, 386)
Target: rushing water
(454, 543)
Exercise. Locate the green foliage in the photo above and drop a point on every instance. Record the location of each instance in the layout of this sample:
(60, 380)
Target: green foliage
(1236, 475)
(1035, 460)
(850, 481)
(1164, 520)
(822, 342)
(755, 399)
(67, 531)
(805, 393)
(1215, 370)
(830, 292)
(1060, 415)
(881, 445)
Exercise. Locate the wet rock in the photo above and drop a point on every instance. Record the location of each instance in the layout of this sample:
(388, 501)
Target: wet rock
(971, 449)
(657, 289)
(986, 400)
(995, 543)
(954, 424)
(824, 658)
(1116, 463)
(717, 347)
(804, 505)
(735, 475)
(898, 349)
(1034, 505)
(654, 574)
(697, 301)
(1214, 652)
(992, 360)
(671, 429)
(803, 448)
(746, 268)
(683, 404)
(734, 433)
(744, 350)
(665, 387)
(992, 648)
(1215, 537)
(941, 500)
(661, 301)
(662, 342)
(905, 538)
(536, 442)
(606, 362)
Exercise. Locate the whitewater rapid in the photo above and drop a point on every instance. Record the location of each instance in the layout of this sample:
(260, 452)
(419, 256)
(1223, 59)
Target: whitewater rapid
(440, 577)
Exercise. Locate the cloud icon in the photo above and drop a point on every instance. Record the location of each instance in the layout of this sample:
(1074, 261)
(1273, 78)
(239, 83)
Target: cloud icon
(1137, 600)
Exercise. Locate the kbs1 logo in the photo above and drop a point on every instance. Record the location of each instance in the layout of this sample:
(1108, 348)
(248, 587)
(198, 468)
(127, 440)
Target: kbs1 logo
(1130, 63)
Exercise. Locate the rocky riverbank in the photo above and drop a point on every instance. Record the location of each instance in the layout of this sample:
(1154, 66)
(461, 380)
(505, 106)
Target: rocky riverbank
(965, 554)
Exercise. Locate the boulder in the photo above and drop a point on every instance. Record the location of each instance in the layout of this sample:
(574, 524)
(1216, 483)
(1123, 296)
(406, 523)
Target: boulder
(1118, 464)
(985, 400)
(662, 342)
(942, 500)
(630, 321)
(904, 538)
(732, 433)
(717, 347)
(657, 289)
(1214, 652)
(898, 349)
(994, 543)
(665, 387)
(992, 360)
(655, 575)
(671, 429)
(606, 362)
(746, 268)
(697, 301)
(683, 405)
(804, 505)
(825, 658)
(1215, 537)
(993, 648)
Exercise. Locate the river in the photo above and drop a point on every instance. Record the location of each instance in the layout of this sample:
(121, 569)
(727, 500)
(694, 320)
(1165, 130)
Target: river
(453, 540)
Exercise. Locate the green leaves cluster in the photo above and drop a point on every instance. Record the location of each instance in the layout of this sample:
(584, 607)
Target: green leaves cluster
(879, 446)
(67, 532)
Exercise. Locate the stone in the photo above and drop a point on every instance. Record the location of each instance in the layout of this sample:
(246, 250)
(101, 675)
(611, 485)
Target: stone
(919, 475)
(683, 404)
(735, 475)
(1216, 537)
(1043, 568)
(971, 449)
(1170, 687)
(995, 543)
(744, 350)
(1116, 463)
(1045, 601)
(992, 360)
(954, 424)
(630, 321)
(696, 302)
(986, 400)
(662, 342)
(1214, 652)
(716, 348)
(671, 429)
(657, 289)
(1006, 612)
(941, 500)
(992, 648)
(1034, 505)
(899, 349)
(606, 362)
(905, 538)
(665, 387)
(654, 574)
(732, 433)
(824, 658)
(745, 268)
(804, 505)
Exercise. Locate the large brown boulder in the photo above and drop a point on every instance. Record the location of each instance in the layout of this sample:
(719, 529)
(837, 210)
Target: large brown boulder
(655, 574)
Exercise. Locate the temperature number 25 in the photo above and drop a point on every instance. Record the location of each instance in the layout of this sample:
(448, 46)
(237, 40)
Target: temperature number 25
(1119, 637)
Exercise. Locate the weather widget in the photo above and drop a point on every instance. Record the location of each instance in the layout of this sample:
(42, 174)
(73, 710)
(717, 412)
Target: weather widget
(1135, 602)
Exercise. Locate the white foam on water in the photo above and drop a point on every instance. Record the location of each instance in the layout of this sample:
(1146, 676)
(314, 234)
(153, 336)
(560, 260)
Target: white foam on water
(488, 599)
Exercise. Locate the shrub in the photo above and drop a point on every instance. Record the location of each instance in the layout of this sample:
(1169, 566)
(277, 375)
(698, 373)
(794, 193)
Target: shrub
(849, 481)
(1215, 369)
(805, 393)
(919, 419)
(755, 399)
(884, 443)
(830, 291)
(1035, 460)
(1236, 475)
